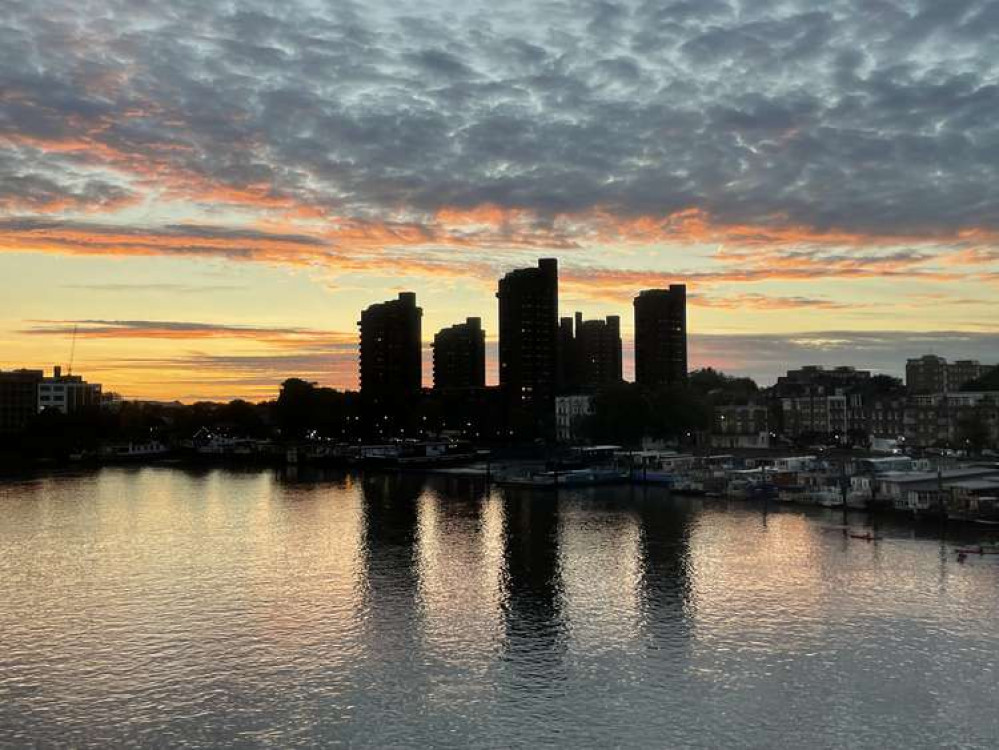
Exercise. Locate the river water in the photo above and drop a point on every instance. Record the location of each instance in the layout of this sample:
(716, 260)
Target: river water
(170, 608)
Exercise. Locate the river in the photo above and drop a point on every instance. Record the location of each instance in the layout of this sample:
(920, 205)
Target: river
(163, 607)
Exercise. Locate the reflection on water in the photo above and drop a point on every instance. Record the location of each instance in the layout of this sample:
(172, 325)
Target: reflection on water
(220, 608)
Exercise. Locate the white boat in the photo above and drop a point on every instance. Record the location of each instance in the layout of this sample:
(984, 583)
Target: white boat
(571, 478)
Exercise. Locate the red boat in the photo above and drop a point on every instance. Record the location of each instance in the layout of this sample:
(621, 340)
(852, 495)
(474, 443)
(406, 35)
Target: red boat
(868, 537)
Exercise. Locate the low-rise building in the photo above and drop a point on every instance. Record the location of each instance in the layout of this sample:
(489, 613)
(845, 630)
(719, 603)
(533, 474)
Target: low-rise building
(932, 374)
(570, 411)
(67, 393)
(956, 419)
(835, 415)
(741, 426)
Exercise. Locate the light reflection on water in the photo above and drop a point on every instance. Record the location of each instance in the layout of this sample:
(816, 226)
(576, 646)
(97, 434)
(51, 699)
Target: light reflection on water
(212, 608)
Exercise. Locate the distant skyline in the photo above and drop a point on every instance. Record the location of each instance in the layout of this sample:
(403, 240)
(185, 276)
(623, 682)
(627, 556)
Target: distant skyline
(212, 192)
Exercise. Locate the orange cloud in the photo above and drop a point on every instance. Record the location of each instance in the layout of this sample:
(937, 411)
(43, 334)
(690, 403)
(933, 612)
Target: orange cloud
(299, 338)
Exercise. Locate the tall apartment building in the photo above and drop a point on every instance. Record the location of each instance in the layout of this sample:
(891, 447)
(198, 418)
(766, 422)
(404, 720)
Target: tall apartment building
(460, 356)
(927, 374)
(598, 351)
(528, 337)
(590, 355)
(661, 336)
(932, 374)
(391, 361)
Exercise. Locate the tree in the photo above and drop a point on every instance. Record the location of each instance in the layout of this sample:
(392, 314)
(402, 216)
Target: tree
(721, 388)
(973, 431)
(884, 385)
(626, 413)
(988, 382)
(620, 416)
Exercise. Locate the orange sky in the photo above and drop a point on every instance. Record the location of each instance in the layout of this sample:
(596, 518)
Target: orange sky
(209, 197)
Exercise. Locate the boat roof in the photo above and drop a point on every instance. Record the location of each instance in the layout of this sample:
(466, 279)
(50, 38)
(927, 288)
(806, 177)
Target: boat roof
(928, 476)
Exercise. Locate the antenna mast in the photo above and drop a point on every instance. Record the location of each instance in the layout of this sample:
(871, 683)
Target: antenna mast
(72, 349)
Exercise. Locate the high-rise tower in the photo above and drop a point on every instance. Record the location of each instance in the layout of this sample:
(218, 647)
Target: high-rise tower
(460, 356)
(528, 339)
(391, 362)
(661, 336)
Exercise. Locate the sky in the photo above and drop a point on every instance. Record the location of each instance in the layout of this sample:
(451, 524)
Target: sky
(208, 192)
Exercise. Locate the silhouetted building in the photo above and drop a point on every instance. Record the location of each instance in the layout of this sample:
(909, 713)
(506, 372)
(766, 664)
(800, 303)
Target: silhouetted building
(661, 336)
(598, 351)
(18, 398)
(67, 393)
(927, 374)
(390, 348)
(817, 380)
(460, 356)
(590, 355)
(528, 342)
(567, 377)
(932, 374)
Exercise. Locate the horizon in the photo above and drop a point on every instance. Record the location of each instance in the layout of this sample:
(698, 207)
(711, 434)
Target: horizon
(210, 195)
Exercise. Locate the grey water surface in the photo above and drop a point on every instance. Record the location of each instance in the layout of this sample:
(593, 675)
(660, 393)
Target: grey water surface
(162, 607)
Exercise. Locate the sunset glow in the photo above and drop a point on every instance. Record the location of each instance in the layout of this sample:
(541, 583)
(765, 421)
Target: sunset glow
(209, 194)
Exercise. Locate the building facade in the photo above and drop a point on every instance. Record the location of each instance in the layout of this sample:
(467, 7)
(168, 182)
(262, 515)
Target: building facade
(887, 416)
(741, 426)
(67, 393)
(18, 398)
(570, 411)
(953, 419)
(598, 351)
(589, 353)
(661, 336)
(932, 374)
(836, 415)
(528, 343)
(391, 361)
(460, 356)
(817, 380)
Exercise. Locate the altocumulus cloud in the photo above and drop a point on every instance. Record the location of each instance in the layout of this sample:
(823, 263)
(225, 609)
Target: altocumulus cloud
(775, 112)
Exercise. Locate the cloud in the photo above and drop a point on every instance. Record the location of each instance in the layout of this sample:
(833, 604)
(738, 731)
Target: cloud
(157, 287)
(766, 302)
(871, 118)
(168, 329)
(92, 238)
(764, 356)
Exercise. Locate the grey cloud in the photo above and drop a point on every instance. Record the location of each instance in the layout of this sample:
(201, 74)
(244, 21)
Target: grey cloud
(31, 180)
(103, 327)
(28, 224)
(870, 116)
(166, 287)
(764, 357)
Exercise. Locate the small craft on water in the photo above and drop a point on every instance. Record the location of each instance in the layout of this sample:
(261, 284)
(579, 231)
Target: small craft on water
(979, 549)
(867, 537)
